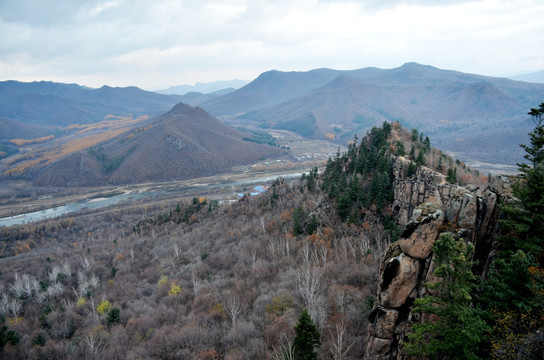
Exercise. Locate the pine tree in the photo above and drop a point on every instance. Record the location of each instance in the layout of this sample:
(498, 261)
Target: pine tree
(414, 135)
(513, 291)
(452, 176)
(535, 151)
(420, 160)
(298, 219)
(524, 221)
(312, 226)
(440, 167)
(114, 316)
(459, 327)
(412, 153)
(400, 149)
(427, 144)
(307, 337)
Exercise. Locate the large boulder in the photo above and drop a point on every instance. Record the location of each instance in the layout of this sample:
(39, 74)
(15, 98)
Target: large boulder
(399, 276)
(382, 322)
(422, 230)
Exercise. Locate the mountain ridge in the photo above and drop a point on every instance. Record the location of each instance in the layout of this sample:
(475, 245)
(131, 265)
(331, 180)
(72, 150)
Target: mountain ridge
(185, 142)
(57, 104)
(459, 111)
(204, 88)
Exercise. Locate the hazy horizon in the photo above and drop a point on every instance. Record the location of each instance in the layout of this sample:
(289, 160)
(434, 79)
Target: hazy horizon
(158, 45)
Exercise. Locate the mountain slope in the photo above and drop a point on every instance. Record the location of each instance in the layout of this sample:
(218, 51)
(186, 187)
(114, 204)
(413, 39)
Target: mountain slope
(462, 113)
(183, 143)
(254, 257)
(13, 129)
(269, 88)
(48, 103)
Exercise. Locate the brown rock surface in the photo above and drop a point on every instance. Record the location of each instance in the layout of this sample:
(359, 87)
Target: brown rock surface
(427, 205)
(382, 322)
(398, 278)
(427, 221)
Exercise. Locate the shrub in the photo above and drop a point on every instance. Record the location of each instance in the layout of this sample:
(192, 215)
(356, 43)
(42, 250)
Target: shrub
(114, 316)
(103, 307)
(39, 340)
(174, 290)
(162, 280)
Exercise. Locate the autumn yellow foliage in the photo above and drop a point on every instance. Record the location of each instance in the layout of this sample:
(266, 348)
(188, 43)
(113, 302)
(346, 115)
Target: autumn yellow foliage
(103, 307)
(23, 142)
(175, 290)
(87, 135)
(162, 280)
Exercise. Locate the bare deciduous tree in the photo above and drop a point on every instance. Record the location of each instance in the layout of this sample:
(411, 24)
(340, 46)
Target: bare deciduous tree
(4, 305)
(306, 252)
(310, 288)
(54, 274)
(364, 245)
(339, 348)
(233, 309)
(196, 284)
(94, 344)
(66, 270)
(14, 306)
(87, 263)
(284, 351)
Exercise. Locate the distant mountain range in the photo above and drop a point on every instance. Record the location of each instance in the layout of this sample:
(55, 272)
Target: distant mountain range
(183, 143)
(69, 135)
(121, 137)
(55, 104)
(476, 117)
(534, 77)
(204, 88)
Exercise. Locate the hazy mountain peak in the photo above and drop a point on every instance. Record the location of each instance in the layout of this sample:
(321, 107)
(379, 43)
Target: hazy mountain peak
(204, 88)
(185, 109)
(343, 80)
(534, 77)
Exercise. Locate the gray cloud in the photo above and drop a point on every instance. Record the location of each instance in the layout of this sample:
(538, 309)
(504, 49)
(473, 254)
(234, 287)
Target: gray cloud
(154, 44)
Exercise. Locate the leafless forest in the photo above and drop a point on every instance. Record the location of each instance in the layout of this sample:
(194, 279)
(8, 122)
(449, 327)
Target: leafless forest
(190, 280)
(196, 280)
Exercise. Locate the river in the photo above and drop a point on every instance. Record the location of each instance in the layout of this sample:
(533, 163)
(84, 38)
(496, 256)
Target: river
(97, 203)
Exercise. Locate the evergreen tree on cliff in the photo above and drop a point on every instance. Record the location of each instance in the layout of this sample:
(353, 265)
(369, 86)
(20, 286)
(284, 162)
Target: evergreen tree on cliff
(454, 328)
(514, 290)
(524, 220)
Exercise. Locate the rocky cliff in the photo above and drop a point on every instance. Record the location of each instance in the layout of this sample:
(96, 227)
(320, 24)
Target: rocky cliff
(427, 205)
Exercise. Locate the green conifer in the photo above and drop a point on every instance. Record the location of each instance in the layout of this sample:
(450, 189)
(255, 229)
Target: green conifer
(307, 338)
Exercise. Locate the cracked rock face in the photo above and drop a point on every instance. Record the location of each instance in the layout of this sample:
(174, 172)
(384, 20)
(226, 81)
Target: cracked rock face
(398, 278)
(426, 205)
(382, 322)
(426, 223)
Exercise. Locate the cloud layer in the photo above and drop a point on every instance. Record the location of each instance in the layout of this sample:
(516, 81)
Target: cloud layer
(155, 44)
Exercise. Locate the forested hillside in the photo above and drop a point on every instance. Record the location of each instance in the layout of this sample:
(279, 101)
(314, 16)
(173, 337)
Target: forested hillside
(195, 279)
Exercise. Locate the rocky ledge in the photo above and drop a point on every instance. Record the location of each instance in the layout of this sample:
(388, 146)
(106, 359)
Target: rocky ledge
(427, 205)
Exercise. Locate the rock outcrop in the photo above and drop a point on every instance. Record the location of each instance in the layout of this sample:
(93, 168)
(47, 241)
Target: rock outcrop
(427, 205)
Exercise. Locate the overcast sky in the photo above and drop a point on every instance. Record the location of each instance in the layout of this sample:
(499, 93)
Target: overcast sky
(156, 44)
